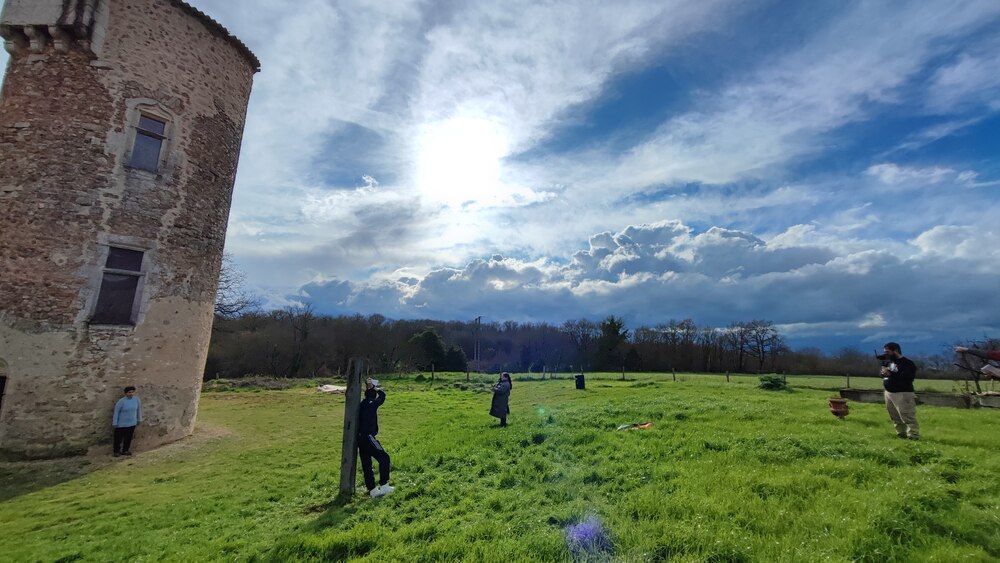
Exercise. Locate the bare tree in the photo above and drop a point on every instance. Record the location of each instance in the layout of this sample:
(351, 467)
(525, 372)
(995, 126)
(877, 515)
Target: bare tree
(232, 299)
(734, 342)
(584, 334)
(762, 340)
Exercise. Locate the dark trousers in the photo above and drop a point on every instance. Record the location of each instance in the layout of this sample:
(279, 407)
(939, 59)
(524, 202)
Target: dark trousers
(123, 439)
(369, 448)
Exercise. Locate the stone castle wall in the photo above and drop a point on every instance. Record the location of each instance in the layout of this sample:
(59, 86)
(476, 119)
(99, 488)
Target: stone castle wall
(68, 112)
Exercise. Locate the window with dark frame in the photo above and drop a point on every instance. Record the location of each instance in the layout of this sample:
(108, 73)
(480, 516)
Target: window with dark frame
(119, 286)
(149, 136)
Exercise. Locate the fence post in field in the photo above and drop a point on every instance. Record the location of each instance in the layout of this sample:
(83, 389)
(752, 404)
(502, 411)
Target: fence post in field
(432, 371)
(727, 377)
(673, 373)
(349, 451)
(623, 373)
(848, 374)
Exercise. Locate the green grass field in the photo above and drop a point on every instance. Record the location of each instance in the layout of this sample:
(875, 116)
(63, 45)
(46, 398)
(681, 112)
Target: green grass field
(728, 472)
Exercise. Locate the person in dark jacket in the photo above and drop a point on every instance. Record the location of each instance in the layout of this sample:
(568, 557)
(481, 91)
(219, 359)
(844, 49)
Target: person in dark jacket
(898, 373)
(368, 446)
(500, 407)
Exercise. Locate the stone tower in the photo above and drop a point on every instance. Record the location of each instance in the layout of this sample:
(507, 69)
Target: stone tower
(120, 130)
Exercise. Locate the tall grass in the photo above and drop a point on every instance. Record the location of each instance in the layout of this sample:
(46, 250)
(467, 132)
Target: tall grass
(728, 472)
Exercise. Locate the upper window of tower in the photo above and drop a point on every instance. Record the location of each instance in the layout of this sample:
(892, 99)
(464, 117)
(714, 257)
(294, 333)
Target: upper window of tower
(150, 133)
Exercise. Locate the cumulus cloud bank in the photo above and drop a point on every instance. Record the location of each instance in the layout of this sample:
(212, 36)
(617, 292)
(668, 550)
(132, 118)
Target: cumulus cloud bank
(652, 273)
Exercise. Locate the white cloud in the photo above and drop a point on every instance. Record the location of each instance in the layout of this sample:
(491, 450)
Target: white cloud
(895, 174)
(728, 276)
(910, 177)
(439, 94)
(979, 245)
(972, 79)
(938, 131)
(779, 114)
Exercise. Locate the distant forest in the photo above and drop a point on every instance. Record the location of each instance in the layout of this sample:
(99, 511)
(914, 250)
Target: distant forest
(296, 342)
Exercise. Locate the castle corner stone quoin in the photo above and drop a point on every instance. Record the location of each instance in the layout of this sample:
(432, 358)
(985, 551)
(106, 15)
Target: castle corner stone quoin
(120, 131)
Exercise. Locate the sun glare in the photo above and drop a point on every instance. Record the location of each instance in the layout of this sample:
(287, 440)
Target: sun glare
(459, 161)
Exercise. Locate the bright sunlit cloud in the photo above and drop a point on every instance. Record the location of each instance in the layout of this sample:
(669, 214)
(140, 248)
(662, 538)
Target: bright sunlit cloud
(458, 162)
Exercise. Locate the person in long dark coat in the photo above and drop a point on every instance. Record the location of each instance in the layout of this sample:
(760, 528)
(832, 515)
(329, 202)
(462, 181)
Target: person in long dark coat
(500, 407)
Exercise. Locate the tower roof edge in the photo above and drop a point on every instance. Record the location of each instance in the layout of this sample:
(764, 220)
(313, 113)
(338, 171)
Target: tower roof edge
(220, 30)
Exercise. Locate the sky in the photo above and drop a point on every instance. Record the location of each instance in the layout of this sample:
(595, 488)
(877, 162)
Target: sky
(829, 166)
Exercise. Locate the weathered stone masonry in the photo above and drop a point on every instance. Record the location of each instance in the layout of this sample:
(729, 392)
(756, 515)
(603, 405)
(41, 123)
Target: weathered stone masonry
(82, 76)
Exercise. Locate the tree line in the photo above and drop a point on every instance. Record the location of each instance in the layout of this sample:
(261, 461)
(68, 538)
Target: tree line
(296, 342)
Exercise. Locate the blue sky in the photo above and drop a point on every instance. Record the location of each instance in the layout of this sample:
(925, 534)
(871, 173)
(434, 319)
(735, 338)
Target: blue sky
(828, 166)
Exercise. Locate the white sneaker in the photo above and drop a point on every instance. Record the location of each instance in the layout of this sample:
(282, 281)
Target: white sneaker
(381, 491)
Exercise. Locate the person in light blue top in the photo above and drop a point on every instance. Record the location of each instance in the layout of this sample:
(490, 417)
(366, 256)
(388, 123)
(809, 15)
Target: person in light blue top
(128, 415)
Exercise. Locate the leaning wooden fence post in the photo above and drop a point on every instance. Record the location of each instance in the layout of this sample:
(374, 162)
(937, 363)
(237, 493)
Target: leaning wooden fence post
(349, 453)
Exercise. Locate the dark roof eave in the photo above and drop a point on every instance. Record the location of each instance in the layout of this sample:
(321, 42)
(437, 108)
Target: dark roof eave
(220, 30)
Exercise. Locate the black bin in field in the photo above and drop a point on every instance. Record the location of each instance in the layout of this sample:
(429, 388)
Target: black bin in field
(580, 383)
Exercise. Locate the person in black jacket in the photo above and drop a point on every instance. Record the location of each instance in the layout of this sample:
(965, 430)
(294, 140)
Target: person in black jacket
(900, 400)
(500, 405)
(368, 446)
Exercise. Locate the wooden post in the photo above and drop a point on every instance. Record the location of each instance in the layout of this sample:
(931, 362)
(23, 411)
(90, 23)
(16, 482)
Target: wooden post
(432, 371)
(727, 377)
(349, 451)
(623, 373)
(848, 374)
(674, 373)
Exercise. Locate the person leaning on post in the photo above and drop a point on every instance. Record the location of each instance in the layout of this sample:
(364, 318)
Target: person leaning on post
(900, 400)
(128, 415)
(368, 446)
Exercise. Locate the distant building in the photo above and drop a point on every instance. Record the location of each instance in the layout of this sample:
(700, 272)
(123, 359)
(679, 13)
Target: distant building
(120, 130)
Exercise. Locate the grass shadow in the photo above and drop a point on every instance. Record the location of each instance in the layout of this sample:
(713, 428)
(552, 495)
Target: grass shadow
(19, 478)
(333, 514)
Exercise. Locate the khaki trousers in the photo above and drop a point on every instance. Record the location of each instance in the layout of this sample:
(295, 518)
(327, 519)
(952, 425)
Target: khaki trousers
(902, 409)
